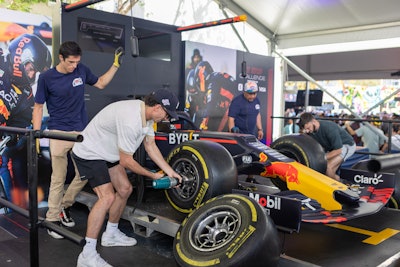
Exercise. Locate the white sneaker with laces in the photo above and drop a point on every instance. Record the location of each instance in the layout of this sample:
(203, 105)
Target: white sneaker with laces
(54, 234)
(117, 239)
(93, 261)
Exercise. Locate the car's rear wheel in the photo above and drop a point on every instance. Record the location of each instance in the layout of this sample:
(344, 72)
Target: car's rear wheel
(208, 170)
(302, 148)
(229, 230)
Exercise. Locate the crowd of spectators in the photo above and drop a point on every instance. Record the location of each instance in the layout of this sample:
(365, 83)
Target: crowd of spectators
(380, 133)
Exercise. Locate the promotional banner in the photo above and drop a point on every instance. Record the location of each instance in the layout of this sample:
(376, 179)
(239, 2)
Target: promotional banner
(25, 52)
(259, 70)
(215, 75)
(210, 84)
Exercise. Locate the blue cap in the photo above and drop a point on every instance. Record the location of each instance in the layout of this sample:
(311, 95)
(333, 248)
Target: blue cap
(168, 100)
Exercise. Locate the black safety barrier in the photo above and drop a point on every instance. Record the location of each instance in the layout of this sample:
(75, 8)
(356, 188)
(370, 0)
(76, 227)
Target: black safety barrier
(32, 165)
(383, 163)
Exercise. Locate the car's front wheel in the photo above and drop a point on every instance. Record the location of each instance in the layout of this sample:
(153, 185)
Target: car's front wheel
(229, 230)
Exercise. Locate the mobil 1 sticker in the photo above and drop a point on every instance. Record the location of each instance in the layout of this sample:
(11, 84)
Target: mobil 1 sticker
(284, 211)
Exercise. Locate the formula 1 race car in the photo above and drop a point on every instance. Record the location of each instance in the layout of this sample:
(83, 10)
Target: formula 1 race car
(227, 225)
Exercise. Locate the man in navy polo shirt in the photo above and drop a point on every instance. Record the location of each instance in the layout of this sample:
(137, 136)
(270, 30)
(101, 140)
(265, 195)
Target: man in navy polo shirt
(244, 112)
(244, 115)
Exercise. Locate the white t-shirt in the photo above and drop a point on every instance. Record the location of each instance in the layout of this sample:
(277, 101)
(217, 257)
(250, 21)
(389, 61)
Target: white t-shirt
(118, 126)
(395, 142)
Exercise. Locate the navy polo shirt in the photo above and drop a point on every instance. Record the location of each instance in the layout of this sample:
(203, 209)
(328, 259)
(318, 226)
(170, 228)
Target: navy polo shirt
(245, 113)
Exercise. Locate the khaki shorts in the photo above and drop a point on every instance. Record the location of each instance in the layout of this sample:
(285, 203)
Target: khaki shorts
(348, 151)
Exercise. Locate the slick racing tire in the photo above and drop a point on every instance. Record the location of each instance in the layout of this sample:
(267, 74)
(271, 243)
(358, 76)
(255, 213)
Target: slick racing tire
(229, 230)
(302, 148)
(207, 169)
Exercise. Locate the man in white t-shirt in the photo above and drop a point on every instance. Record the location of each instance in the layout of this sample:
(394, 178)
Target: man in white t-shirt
(110, 140)
(395, 139)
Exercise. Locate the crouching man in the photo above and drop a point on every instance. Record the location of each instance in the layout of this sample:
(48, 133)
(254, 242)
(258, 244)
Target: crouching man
(110, 140)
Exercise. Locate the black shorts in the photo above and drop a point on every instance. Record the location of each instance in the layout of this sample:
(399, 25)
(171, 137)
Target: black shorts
(95, 171)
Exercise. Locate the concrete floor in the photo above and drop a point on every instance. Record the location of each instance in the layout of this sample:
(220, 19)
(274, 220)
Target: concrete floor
(15, 247)
(368, 241)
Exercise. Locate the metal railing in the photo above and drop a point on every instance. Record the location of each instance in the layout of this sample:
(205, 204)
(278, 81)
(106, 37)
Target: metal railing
(32, 166)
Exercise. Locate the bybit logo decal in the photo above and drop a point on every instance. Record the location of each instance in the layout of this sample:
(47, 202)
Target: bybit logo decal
(177, 138)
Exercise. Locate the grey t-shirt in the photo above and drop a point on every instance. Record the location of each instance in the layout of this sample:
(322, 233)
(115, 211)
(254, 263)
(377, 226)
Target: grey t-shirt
(372, 137)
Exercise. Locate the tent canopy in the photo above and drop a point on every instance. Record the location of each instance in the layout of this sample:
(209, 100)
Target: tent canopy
(330, 39)
(297, 23)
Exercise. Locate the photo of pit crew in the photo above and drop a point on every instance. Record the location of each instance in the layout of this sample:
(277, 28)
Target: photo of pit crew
(209, 95)
(217, 78)
(209, 89)
(23, 56)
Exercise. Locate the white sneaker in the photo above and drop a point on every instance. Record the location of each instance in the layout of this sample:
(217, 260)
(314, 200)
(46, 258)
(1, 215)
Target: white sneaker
(54, 234)
(93, 261)
(117, 239)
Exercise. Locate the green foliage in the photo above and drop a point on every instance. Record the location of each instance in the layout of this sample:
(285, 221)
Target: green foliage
(123, 6)
(22, 5)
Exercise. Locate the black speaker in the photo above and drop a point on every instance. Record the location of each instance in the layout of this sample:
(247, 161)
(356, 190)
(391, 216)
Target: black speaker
(134, 46)
(244, 69)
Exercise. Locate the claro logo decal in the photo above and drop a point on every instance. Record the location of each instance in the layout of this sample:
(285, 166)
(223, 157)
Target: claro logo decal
(359, 178)
(177, 138)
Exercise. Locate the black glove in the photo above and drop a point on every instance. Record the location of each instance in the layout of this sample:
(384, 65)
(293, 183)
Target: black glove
(235, 130)
(119, 52)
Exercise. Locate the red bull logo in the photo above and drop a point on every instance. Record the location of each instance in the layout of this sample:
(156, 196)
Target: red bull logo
(3, 110)
(284, 171)
(17, 60)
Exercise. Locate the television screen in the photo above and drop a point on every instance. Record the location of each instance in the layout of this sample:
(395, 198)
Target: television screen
(315, 98)
(290, 97)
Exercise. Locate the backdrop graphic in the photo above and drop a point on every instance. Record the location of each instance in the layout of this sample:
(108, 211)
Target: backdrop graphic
(214, 76)
(210, 84)
(25, 52)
